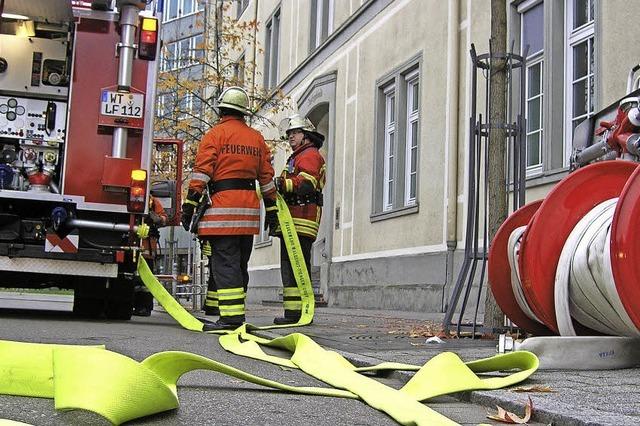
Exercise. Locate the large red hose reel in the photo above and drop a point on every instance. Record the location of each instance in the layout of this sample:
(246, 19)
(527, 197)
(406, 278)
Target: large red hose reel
(549, 223)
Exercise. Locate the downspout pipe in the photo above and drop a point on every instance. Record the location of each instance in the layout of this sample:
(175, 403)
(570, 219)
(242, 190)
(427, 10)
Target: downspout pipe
(453, 72)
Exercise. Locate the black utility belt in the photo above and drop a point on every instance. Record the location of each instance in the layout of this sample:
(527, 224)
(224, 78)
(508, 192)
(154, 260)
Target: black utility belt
(298, 200)
(227, 184)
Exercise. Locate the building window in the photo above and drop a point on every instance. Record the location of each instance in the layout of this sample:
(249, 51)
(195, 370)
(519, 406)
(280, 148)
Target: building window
(321, 21)
(411, 138)
(176, 8)
(580, 61)
(238, 71)
(188, 6)
(196, 103)
(198, 48)
(184, 106)
(241, 7)
(532, 40)
(271, 51)
(164, 60)
(389, 146)
(160, 105)
(171, 10)
(398, 140)
(170, 57)
(183, 53)
(533, 106)
(165, 105)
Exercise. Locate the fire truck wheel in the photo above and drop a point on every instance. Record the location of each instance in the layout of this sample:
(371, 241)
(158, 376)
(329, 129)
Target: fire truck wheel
(88, 307)
(89, 297)
(119, 299)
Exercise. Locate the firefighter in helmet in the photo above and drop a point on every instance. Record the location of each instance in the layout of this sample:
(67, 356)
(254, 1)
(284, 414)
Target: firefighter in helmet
(157, 218)
(231, 157)
(300, 184)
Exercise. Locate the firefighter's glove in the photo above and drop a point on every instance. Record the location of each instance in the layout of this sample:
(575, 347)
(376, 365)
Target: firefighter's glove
(271, 216)
(156, 218)
(206, 248)
(280, 184)
(142, 231)
(187, 214)
(189, 207)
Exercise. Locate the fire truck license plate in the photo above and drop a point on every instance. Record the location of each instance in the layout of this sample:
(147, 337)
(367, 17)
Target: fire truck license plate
(122, 104)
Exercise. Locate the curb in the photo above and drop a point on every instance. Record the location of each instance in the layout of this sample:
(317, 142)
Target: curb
(487, 399)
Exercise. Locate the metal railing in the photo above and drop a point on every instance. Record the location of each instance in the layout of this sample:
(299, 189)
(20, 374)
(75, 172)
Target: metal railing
(191, 291)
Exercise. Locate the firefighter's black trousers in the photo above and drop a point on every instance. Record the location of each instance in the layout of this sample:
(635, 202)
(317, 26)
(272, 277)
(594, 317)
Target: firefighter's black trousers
(228, 266)
(292, 299)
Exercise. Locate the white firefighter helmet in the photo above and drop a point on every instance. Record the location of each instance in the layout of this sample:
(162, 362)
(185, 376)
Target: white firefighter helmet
(234, 98)
(295, 122)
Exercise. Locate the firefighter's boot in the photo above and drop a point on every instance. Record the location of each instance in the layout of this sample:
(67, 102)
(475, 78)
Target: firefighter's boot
(220, 325)
(290, 317)
(284, 320)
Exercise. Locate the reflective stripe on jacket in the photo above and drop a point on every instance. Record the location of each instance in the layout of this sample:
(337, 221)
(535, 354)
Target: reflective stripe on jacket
(232, 150)
(305, 167)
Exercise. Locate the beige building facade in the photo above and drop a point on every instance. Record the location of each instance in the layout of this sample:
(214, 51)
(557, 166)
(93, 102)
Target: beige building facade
(388, 83)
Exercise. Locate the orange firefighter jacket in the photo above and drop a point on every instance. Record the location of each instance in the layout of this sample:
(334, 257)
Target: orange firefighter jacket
(232, 150)
(301, 183)
(150, 245)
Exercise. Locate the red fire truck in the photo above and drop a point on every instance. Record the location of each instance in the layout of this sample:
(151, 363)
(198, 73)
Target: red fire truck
(77, 85)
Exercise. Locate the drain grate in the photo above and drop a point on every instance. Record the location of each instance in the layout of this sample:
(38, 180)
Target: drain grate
(377, 337)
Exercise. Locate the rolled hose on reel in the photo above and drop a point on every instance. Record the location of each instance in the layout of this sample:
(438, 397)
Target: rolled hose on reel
(566, 266)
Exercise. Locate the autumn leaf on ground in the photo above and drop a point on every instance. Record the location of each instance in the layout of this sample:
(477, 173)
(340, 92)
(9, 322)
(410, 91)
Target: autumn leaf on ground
(505, 416)
(534, 388)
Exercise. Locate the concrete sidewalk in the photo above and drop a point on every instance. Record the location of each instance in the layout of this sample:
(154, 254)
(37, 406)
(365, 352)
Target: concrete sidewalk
(368, 337)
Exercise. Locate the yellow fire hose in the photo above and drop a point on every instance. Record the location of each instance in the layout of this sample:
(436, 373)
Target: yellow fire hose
(122, 389)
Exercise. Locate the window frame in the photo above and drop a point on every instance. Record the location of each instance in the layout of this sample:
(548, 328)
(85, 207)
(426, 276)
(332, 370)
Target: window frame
(317, 22)
(184, 50)
(160, 106)
(239, 69)
(537, 60)
(411, 79)
(198, 6)
(389, 155)
(534, 59)
(178, 62)
(392, 170)
(573, 38)
(272, 60)
(242, 6)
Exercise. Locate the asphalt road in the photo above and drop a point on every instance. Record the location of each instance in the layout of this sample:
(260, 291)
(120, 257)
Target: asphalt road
(206, 398)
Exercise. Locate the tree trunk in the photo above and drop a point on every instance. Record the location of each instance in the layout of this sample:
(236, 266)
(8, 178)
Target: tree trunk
(496, 176)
